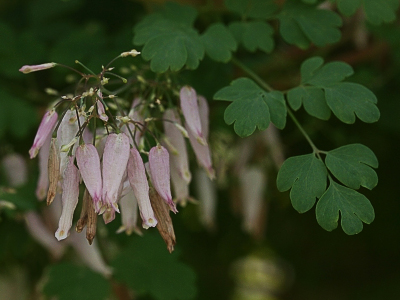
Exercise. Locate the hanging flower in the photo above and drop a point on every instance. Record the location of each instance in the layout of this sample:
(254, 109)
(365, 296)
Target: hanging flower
(115, 160)
(88, 161)
(45, 128)
(140, 187)
(160, 174)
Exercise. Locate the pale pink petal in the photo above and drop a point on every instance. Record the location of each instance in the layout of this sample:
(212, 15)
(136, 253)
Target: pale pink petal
(140, 186)
(160, 174)
(66, 132)
(115, 160)
(180, 159)
(129, 214)
(190, 110)
(202, 153)
(69, 199)
(88, 161)
(45, 128)
(180, 186)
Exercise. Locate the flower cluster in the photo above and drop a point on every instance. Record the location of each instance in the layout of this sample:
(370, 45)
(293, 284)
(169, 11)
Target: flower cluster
(122, 158)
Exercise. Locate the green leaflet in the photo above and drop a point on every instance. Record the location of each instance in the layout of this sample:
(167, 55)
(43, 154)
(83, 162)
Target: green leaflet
(352, 165)
(253, 35)
(354, 209)
(313, 100)
(306, 176)
(219, 42)
(169, 39)
(146, 267)
(376, 11)
(349, 99)
(322, 91)
(66, 281)
(256, 9)
(252, 107)
(302, 24)
(313, 72)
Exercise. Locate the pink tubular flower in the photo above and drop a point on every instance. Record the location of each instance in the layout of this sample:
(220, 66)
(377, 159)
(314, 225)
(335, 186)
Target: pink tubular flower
(190, 110)
(207, 196)
(69, 199)
(203, 155)
(45, 128)
(160, 174)
(88, 162)
(179, 160)
(65, 134)
(43, 182)
(180, 186)
(28, 69)
(129, 214)
(115, 160)
(140, 187)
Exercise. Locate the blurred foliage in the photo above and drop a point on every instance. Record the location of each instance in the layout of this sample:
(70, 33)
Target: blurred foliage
(326, 265)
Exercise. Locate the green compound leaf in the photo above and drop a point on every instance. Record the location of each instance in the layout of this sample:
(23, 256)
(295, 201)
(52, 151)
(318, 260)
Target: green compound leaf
(301, 24)
(348, 100)
(313, 72)
(219, 42)
(148, 268)
(252, 107)
(256, 9)
(321, 92)
(66, 281)
(313, 100)
(307, 176)
(352, 165)
(253, 35)
(169, 39)
(376, 11)
(354, 209)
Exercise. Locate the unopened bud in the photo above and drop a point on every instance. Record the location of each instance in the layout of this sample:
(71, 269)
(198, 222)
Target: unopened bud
(28, 69)
(132, 53)
(53, 170)
(164, 225)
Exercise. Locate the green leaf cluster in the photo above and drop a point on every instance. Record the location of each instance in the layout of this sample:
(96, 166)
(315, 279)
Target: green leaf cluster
(169, 39)
(307, 177)
(376, 11)
(322, 91)
(148, 268)
(252, 107)
(252, 31)
(66, 281)
(302, 24)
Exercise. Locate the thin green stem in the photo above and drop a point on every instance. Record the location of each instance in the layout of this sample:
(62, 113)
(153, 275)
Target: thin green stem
(297, 123)
(266, 87)
(253, 75)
